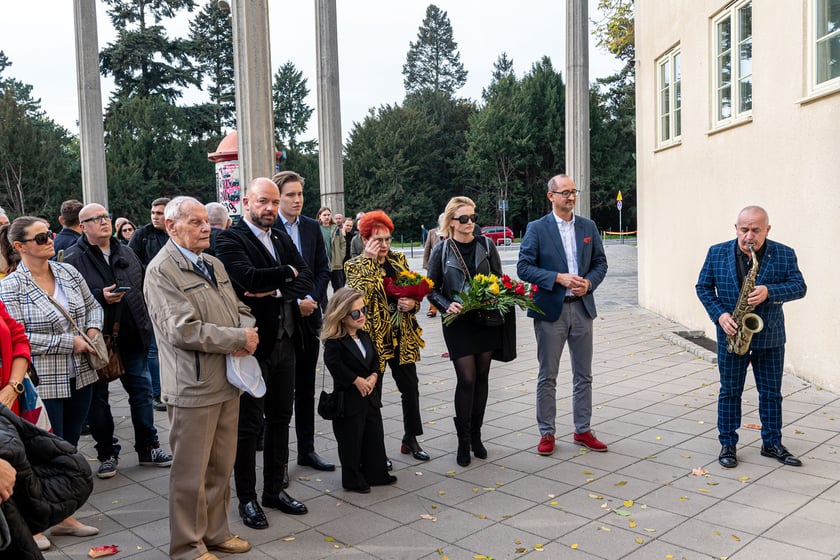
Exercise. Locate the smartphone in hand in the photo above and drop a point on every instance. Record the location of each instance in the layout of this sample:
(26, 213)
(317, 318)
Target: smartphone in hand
(120, 289)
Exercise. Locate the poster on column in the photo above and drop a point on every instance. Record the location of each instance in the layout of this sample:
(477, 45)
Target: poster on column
(228, 188)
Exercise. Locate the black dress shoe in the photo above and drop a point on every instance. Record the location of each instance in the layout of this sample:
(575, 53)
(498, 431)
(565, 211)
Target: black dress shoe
(781, 454)
(391, 479)
(411, 446)
(312, 459)
(284, 503)
(358, 489)
(727, 457)
(253, 515)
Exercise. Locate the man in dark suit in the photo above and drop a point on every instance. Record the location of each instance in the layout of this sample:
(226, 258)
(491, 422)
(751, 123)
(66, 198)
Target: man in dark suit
(306, 235)
(563, 255)
(269, 275)
(719, 287)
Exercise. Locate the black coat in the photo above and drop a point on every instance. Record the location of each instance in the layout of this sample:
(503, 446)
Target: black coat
(313, 252)
(345, 362)
(147, 241)
(252, 269)
(125, 270)
(53, 481)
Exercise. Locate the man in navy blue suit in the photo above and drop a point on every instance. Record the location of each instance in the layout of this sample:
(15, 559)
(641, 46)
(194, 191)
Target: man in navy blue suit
(563, 255)
(306, 235)
(269, 276)
(718, 288)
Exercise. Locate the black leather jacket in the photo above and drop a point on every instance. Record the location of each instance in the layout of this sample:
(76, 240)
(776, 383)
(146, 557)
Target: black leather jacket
(53, 481)
(446, 271)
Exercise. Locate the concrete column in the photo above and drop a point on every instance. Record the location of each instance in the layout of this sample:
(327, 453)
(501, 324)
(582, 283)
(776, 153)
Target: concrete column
(577, 100)
(252, 74)
(91, 128)
(329, 107)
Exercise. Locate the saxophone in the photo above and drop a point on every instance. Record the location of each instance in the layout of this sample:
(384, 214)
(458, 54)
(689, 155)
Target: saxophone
(748, 322)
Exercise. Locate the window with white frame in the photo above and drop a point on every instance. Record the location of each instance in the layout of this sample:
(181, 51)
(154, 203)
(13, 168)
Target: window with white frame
(826, 47)
(732, 33)
(669, 98)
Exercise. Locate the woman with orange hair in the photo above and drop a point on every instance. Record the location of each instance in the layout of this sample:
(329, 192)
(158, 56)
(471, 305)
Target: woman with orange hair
(397, 345)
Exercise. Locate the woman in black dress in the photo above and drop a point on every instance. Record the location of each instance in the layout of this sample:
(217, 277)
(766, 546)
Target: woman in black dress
(470, 343)
(350, 356)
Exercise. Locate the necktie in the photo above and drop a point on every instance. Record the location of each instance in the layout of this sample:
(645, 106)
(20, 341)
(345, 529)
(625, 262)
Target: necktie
(206, 269)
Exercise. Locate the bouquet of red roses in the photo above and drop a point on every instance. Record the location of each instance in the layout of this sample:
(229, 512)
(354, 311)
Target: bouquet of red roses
(407, 284)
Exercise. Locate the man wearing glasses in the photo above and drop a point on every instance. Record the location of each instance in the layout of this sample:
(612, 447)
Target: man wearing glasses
(114, 275)
(563, 255)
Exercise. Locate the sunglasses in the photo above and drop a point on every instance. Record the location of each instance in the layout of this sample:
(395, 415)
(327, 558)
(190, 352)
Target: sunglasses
(125, 229)
(356, 314)
(40, 238)
(466, 218)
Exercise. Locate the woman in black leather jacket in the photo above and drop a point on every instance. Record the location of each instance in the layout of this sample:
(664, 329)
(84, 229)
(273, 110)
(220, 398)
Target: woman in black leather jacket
(53, 480)
(470, 343)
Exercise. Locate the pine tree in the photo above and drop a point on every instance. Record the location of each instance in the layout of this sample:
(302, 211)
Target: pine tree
(143, 60)
(211, 36)
(291, 113)
(433, 61)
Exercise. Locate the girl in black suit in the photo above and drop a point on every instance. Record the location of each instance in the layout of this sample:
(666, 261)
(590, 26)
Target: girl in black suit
(354, 365)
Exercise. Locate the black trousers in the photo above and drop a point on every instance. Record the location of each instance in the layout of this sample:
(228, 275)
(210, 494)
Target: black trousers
(405, 376)
(361, 447)
(306, 362)
(278, 370)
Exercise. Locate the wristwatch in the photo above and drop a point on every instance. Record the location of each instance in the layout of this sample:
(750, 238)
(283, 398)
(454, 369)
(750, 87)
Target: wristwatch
(17, 386)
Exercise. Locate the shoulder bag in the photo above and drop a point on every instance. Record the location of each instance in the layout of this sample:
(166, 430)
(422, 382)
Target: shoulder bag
(330, 405)
(484, 317)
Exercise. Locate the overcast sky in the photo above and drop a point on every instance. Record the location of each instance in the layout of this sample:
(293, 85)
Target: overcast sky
(373, 39)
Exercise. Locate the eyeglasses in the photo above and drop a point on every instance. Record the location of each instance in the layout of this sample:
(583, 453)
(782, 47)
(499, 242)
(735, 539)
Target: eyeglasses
(40, 238)
(466, 218)
(98, 219)
(566, 194)
(356, 314)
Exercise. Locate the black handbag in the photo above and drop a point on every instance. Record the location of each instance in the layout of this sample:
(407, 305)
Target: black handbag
(489, 317)
(330, 405)
(507, 351)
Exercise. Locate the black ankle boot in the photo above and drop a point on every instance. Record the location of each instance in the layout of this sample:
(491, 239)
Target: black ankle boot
(478, 448)
(463, 455)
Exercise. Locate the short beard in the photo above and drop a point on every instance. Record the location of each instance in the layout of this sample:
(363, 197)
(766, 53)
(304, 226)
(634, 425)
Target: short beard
(256, 220)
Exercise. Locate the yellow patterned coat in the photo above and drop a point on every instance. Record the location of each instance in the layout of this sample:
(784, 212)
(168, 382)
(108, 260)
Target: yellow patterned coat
(364, 274)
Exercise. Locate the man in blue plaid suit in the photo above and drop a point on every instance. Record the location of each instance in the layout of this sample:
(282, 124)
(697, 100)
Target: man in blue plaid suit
(778, 280)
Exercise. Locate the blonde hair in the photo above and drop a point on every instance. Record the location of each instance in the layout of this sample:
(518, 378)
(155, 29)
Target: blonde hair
(338, 308)
(448, 213)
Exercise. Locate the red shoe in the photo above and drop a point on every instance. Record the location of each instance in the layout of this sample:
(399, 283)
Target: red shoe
(546, 445)
(589, 441)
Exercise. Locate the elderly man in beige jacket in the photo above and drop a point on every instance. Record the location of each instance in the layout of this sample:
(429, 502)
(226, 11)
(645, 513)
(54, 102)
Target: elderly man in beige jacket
(198, 321)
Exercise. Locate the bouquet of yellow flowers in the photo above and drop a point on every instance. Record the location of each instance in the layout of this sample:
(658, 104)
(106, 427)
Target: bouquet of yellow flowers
(408, 284)
(489, 292)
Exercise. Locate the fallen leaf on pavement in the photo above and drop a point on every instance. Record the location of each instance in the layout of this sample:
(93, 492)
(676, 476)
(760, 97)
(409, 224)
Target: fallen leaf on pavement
(699, 471)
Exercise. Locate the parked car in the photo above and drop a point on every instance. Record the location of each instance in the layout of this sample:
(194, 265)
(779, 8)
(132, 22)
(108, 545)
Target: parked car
(499, 234)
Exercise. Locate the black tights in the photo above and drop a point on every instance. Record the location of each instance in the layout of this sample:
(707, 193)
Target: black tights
(473, 373)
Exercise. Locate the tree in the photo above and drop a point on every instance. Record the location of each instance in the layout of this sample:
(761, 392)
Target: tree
(386, 163)
(291, 113)
(143, 60)
(433, 60)
(211, 36)
(39, 159)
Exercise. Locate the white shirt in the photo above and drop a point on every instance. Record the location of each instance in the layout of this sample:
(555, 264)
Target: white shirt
(264, 237)
(567, 234)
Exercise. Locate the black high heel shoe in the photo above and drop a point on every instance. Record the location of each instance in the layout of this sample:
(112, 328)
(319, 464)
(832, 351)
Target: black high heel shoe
(411, 446)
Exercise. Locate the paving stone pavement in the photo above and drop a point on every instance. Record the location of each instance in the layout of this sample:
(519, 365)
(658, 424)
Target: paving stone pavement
(655, 405)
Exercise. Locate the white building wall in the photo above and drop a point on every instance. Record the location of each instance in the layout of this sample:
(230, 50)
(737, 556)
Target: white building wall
(786, 159)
